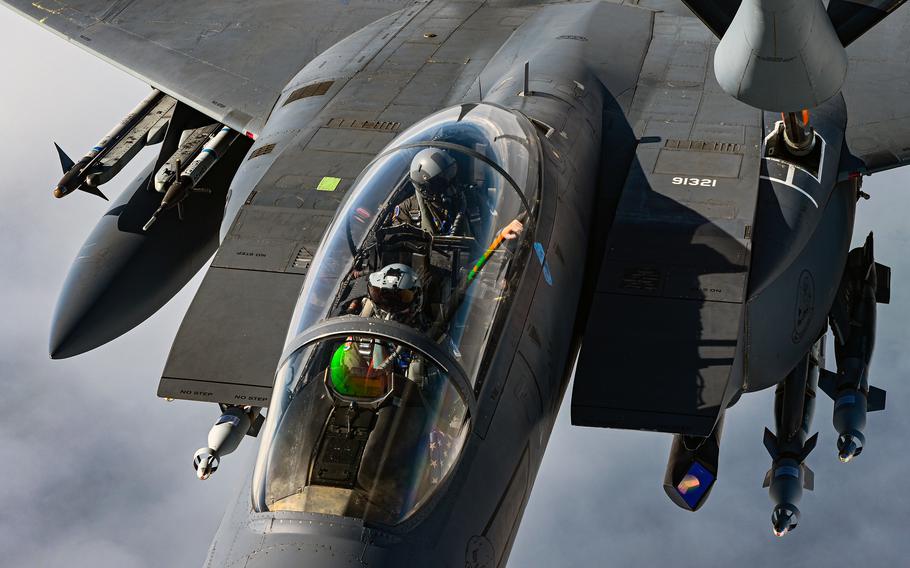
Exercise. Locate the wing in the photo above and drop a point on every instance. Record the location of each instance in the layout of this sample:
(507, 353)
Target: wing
(228, 59)
(852, 19)
(877, 93)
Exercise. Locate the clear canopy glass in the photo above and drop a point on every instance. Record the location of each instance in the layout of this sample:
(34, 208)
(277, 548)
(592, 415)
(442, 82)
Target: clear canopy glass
(367, 425)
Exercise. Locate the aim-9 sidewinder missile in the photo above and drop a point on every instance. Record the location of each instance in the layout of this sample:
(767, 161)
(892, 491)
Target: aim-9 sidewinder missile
(186, 179)
(143, 125)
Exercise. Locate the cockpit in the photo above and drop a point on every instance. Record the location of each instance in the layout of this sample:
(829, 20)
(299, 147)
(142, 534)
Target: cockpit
(374, 396)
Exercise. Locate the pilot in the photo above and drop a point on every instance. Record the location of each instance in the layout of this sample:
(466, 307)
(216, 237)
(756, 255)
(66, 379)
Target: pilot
(393, 293)
(449, 208)
(436, 196)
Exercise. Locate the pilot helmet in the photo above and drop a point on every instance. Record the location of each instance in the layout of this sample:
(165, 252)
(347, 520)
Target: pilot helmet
(433, 171)
(395, 288)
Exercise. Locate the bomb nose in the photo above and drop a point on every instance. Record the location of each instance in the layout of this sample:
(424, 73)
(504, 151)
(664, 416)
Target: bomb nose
(784, 519)
(848, 447)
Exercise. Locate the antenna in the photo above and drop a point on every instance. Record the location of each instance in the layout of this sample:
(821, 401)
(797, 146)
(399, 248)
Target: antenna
(526, 91)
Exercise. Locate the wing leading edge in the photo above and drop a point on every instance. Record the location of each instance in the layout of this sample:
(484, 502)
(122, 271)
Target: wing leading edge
(227, 59)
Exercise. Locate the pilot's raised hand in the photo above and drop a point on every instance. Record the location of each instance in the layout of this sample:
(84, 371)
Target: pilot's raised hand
(512, 230)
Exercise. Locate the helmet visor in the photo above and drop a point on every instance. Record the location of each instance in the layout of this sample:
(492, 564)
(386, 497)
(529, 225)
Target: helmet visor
(391, 299)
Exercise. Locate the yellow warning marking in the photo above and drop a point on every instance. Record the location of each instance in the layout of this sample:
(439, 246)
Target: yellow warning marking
(48, 10)
(328, 184)
(42, 20)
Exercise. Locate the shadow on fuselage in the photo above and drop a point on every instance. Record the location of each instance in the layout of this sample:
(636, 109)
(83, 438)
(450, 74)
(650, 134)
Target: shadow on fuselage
(662, 338)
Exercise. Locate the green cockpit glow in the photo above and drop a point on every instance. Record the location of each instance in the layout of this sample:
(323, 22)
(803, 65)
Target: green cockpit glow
(354, 376)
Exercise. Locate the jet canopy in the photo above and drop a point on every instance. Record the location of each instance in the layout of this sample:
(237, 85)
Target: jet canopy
(410, 284)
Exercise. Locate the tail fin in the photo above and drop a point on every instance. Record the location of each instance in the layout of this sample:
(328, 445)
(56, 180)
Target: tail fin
(827, 381)
(91, 189)
(808, 447)
(808, 478)
(875, 400)
(65, 161)
(770, 441)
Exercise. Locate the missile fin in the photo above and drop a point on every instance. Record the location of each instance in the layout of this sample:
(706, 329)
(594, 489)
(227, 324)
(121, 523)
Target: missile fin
(875, 400)
(809, 446)
(869, 250)
(827, 381)
(66, 162)
(808, 478)
(767, 482)
(92, 190)
(770, 442)
(882, 283)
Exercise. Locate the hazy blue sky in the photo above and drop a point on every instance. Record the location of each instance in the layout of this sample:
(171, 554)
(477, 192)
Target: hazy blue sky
(97, 468)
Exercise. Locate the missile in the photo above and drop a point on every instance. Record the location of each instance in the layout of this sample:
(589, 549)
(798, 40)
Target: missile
(190, 143)
(75, 173)
(108, 290)
(225, 436)
(794, 407)
(187, 178)
(786, 479)
(865, 283)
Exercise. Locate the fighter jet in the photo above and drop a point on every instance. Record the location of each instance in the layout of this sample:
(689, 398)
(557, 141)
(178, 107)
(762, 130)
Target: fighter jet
(426, 217)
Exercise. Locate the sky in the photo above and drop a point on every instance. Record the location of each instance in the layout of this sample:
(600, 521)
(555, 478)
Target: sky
(97, 469)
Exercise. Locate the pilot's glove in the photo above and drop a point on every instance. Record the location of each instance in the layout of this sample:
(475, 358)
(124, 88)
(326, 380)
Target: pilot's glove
(512, 230)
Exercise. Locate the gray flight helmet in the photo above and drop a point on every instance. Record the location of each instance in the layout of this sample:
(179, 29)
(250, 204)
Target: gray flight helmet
(433, 170)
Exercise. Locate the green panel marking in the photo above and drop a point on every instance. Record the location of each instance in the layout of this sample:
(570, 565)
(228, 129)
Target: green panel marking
(328, 184)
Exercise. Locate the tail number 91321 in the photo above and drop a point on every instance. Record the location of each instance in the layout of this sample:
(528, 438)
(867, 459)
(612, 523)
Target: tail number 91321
(698, 182)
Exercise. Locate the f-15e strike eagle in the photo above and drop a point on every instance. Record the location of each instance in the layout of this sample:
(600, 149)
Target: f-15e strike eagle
(426, 216)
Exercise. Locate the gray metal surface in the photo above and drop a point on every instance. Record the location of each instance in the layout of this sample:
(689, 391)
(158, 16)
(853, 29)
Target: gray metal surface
(190, 50)
(876, 92)
(781, 55)
(676, 268)
(638, 257)
(281, 221)
(123, 274)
